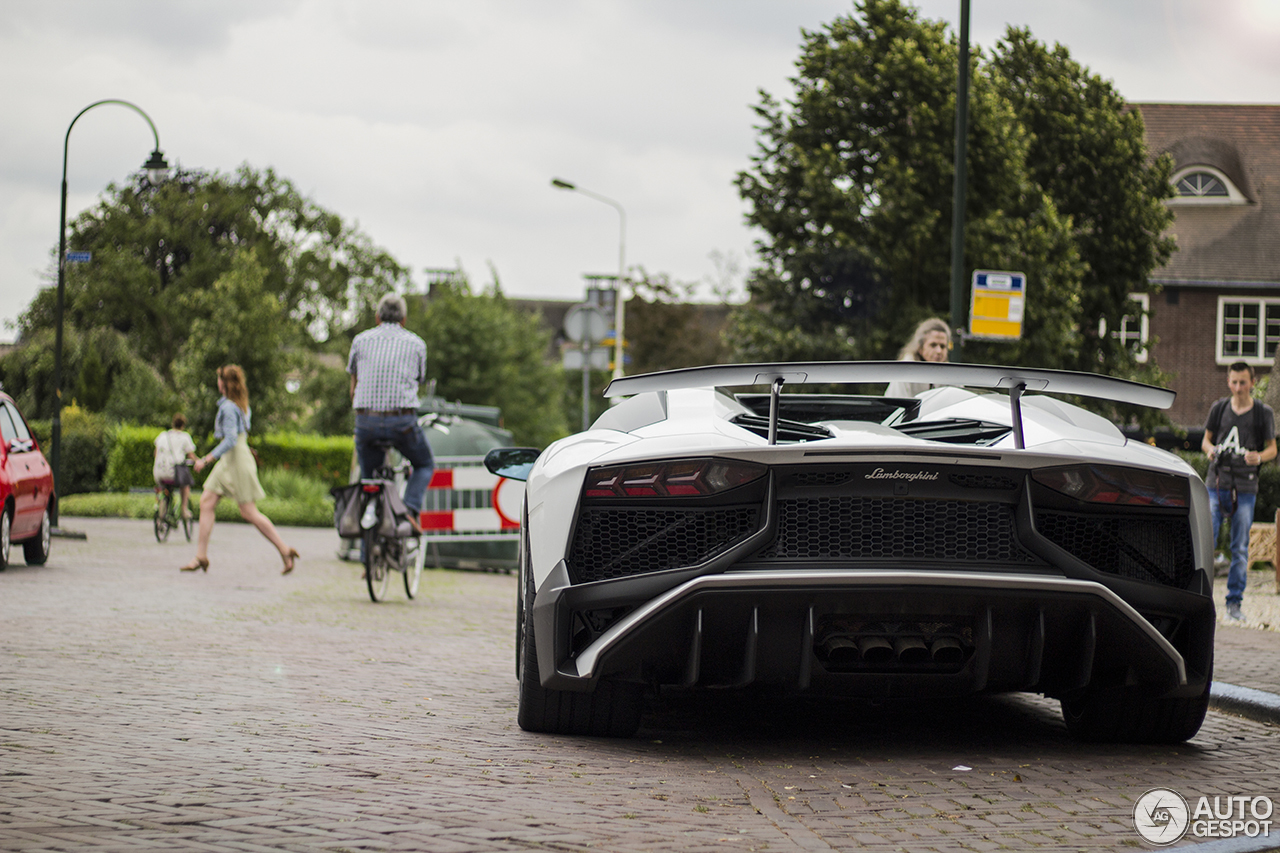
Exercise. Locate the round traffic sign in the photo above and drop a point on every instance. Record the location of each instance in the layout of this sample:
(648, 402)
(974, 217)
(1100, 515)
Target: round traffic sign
(585, 322)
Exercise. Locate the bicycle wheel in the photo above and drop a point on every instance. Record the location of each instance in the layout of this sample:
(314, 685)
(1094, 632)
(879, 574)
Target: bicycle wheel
(413, 568)
(188, 522)
(376, 573)
(162, 518)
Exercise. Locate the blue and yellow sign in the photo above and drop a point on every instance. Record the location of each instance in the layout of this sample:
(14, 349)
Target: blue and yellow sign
(996, 305)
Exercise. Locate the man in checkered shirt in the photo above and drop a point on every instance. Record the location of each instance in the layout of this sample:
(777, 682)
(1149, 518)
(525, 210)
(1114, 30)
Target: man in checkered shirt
(387, 364)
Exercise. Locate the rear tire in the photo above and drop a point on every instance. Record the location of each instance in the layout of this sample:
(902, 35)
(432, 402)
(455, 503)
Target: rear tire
(1133, 715)
(36, 549)
(376, 573)
(188, 522)
(162, 518)
(522, 563)
(611, 710)
(413, 570)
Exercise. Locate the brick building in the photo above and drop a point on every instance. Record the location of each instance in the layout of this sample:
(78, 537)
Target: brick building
(1220, 293)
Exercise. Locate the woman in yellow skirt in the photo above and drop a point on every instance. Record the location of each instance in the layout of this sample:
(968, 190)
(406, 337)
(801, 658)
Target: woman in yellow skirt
(235, 475)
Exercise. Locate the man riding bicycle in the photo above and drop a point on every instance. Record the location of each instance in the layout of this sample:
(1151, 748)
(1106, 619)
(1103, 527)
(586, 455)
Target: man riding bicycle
(387, 364)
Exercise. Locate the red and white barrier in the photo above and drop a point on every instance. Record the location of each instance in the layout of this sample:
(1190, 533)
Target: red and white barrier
(467, 503)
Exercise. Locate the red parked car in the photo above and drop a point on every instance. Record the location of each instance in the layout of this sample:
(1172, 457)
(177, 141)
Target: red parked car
(26, 489)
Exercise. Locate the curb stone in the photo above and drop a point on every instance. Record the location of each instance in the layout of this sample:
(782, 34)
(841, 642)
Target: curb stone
(1247, 702)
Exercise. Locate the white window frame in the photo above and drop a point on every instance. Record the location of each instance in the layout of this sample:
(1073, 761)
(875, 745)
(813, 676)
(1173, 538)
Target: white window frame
(1133, 328)
(1258, 356)
(1233, 196)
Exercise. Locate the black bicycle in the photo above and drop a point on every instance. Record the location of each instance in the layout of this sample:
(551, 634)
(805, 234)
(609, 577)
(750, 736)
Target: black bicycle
(384, 554)
(388, 543)
(168, 512)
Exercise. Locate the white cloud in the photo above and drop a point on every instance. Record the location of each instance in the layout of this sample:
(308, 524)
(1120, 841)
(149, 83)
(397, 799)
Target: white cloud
(438, 126)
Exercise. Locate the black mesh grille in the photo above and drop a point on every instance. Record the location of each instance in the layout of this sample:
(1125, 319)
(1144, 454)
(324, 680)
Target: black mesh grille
(851, 528)
(984, 481)
(614, 543)
(1146, 549)
(819, 478)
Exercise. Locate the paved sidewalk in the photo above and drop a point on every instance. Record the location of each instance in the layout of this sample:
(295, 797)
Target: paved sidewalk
(1247, 655)
(238, 710)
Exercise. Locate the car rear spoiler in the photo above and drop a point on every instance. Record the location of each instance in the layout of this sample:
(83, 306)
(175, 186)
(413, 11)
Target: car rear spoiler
(1016, 379)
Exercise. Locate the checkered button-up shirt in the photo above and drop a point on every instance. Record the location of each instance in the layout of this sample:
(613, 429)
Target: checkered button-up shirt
(389, 363)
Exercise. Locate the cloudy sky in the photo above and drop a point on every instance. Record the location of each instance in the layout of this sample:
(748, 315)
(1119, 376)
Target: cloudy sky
(439, 125)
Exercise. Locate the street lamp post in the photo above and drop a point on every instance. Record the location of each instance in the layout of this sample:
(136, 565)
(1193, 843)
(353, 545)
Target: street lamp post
(619, 315)
(960, 187)
(157, 170)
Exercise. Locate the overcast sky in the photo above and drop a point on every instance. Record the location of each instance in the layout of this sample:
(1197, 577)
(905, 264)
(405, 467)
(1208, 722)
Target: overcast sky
(438, 126)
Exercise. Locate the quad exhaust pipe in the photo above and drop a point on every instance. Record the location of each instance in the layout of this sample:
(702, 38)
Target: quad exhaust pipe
(880, 649)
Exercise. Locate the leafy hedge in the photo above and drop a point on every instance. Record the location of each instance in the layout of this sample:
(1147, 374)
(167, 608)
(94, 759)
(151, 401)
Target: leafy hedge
(130, 458)
(85, 437)
(323, 458)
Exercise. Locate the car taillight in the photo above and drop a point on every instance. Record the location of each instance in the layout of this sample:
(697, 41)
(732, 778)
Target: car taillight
(1101, 484)
(679, 478)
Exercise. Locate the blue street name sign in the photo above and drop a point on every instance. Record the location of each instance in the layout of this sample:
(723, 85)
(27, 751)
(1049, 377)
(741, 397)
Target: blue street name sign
(79, 257)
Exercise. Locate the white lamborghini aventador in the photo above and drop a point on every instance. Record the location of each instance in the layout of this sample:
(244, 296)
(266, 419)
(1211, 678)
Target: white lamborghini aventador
(962, 541)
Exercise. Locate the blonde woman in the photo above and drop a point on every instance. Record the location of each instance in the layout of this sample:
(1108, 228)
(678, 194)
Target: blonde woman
(931, 341)
(235, 475)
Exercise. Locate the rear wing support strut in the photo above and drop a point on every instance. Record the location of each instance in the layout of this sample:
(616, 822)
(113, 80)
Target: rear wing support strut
(1015, 408)
(774, 390)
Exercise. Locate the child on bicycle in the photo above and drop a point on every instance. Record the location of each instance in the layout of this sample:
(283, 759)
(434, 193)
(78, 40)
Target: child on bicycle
(173, 446)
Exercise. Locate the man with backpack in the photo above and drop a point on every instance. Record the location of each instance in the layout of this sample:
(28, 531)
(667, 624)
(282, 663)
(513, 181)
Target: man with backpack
(1239, 435)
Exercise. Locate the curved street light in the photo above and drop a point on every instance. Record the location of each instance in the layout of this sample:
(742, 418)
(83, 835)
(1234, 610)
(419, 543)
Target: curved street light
(619, 316)
(157, 170)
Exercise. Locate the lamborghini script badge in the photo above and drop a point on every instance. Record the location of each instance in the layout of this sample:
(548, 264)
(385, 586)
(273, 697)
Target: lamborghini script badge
(909, 476)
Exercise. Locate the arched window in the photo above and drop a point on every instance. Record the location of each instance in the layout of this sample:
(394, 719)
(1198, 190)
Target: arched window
(1204, 185)
(1201, 185)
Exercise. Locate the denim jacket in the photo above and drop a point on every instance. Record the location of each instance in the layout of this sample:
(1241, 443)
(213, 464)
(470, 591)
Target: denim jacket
(228, 426)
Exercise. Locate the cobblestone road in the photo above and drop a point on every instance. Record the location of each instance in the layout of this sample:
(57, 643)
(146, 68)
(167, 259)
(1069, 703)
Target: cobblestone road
(141, 708)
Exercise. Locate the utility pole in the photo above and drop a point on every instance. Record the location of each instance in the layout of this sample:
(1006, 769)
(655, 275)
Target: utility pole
(959, 310)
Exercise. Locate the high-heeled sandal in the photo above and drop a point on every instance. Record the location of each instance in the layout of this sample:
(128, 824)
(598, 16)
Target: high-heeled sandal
(199, 564)
(290, 557)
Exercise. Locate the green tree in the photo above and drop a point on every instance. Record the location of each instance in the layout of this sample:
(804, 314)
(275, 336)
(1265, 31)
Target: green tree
(852, 188)
(1087, 150)
(666, 331)
(247, 328)
(139, 395)
(326, 388)
(484, 351)
(157, 251)
(93, 388)
(101, 373)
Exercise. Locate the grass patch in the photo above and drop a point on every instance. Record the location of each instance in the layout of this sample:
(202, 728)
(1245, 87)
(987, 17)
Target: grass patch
(108, 505)
(292, 499)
